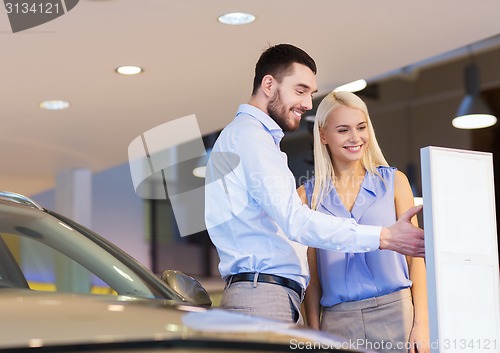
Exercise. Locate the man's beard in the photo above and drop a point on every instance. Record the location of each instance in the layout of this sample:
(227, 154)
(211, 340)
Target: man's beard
(280, 114)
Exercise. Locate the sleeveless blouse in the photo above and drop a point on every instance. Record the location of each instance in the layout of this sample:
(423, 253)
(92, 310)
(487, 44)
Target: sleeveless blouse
(349, 277)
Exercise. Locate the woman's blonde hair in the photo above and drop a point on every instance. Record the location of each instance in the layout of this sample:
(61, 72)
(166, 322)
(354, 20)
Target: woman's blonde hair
(323, 168)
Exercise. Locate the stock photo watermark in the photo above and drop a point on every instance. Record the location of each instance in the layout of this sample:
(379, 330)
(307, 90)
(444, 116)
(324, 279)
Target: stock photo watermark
(25, 14)
(162, 161)
(462, 344)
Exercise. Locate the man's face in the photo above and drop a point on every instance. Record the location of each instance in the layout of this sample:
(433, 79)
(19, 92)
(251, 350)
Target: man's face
(292, 97)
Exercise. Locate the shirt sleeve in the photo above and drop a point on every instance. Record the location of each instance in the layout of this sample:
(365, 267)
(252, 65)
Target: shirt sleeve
(271, 185)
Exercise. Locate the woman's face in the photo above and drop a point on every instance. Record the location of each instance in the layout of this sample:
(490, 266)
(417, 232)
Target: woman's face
(345, 134)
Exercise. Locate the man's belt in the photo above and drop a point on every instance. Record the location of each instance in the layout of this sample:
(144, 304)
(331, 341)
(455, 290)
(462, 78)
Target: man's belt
(267, 278)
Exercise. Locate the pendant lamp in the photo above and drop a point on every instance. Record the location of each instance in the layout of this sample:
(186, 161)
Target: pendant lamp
(473, 112)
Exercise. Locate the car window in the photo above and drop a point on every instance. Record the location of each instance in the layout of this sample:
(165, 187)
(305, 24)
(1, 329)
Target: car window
(43, 253)
(47, 269)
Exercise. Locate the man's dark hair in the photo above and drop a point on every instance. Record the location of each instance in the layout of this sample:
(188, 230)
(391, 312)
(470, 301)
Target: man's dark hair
(278, 61)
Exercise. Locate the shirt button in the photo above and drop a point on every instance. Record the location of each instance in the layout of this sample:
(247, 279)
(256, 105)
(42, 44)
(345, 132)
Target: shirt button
(337, 248)
(368, 249)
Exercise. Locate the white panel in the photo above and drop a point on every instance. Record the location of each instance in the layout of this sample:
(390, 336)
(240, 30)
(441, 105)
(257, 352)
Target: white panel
(464, 209)
(461, 250)
(467, 302)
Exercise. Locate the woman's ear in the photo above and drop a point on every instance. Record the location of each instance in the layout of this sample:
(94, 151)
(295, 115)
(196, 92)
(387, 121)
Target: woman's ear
(322, 136)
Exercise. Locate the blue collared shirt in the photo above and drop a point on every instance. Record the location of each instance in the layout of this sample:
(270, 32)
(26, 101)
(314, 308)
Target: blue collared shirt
(253, 213)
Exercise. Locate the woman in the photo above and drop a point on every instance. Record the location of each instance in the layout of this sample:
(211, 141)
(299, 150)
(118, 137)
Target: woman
(375, 300)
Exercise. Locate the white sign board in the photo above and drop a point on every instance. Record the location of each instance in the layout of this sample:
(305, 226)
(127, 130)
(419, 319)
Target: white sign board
(461, 250)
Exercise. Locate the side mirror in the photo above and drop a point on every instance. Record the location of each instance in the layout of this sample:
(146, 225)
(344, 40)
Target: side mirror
(187, 287)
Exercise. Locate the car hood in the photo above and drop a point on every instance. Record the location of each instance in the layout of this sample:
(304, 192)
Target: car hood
(38, 319)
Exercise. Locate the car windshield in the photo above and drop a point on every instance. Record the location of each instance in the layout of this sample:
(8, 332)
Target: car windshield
(41, 252)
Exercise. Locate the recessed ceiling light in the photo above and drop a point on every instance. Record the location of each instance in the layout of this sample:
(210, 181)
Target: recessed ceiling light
(236, 18)
(354, 86)
(129, 70)
(54, 105)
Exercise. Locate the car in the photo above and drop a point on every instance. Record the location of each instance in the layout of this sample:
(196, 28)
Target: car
(64, 288)
(45, 251)
(35, 321)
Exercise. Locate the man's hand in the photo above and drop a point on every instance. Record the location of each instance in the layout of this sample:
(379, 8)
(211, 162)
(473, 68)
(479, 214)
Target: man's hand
(403, 236)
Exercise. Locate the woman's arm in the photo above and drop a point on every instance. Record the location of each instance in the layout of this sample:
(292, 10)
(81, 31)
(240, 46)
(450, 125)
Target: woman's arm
(419, 337)
(313, 293)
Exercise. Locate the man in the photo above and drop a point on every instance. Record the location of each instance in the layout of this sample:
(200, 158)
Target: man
(255, 217)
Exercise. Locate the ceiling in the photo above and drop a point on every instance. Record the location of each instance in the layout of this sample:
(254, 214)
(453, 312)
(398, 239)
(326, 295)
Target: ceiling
(193, 64)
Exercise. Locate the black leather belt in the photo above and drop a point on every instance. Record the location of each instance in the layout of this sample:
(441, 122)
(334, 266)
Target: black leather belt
(266, 278)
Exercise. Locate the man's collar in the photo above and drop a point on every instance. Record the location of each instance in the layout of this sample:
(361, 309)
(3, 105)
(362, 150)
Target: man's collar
(274, 129)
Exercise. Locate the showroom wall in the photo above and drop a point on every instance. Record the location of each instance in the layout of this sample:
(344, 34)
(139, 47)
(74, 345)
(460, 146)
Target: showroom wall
(415, 110)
